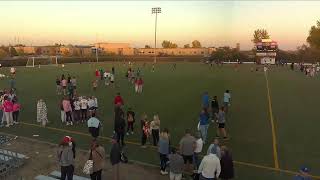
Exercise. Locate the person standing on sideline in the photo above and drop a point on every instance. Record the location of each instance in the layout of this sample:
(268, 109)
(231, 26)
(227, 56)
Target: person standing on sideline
(16, 109)
(42, 116)
(130, 121)
(94, 126)
(64, 84)
(197, 151)
(66, 159)
(226, 100)
(84, 109)
(145, 133)
(176, 165)
(210, 168)
(98, 157)
(164, 146)
(62, 113)
(115, 158)
(58, 88)
(68, 110)
(204, 124)
(214, 108)
(215, 143)
(118, 100)
(205, 100)
(155, 129)
(140, 85)
(221, 124)
(76, 112)
(120, 126)
(187, 145)
(226, 162)
(8, 109)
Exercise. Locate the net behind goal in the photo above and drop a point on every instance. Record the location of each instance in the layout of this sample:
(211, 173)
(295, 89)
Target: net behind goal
(42, 60)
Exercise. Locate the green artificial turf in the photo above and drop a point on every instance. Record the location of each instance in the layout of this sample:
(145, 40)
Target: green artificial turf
(176, 97)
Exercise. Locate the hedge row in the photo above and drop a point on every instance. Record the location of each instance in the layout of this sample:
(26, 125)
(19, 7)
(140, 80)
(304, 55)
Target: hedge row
(64, 60)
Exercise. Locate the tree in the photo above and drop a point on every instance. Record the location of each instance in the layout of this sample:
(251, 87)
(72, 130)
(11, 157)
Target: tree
(314, 36)
(196, 44)
(260, 34)
(13, 51)
(147, 46)
(186, 46)
(168, 44)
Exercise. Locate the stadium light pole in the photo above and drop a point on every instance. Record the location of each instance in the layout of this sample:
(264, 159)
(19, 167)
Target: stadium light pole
(156, 11)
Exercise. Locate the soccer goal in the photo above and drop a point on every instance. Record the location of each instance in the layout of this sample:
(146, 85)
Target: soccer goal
(42, 60)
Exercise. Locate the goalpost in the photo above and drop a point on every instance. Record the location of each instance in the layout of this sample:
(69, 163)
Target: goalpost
(42, 60)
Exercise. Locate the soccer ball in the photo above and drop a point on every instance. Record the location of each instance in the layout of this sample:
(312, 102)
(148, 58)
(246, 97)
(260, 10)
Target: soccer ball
(62, 65)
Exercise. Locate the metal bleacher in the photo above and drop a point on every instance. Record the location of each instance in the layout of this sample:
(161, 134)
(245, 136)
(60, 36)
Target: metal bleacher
(54, 175)
(9, 160)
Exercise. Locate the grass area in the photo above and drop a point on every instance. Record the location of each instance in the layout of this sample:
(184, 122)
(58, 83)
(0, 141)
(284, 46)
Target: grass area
(176, 96)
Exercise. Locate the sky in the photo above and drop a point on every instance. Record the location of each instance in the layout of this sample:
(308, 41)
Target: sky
(213, 23)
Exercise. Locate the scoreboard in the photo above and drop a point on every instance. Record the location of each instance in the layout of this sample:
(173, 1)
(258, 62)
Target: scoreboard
(266, 51)
(266, 45)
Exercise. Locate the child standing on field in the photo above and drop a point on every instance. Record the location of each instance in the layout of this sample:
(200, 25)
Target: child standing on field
(145, 133)
(16, 110)
(130, 120)
(42, 117)
(95, 84)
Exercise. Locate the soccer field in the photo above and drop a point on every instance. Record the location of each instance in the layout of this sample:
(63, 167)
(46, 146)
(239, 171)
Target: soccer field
(176, 97)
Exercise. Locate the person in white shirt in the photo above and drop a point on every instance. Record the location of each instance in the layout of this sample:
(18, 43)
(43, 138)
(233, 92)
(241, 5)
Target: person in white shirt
(197, 151)
(112, 79)
(91, 105)
(210, 167)
(84, 107)
(106, 76)
(226, 100)
(76, 111)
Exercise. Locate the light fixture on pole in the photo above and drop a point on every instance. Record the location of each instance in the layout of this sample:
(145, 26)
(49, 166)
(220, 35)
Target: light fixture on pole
(155, 10)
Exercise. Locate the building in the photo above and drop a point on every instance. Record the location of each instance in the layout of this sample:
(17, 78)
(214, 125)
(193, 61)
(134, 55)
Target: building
(115, 48)
(175, 51)
(266, 51)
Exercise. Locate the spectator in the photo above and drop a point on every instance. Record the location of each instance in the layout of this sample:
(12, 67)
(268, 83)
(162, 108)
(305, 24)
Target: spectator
(215, 143)
(94, 126)
(62, 113)
(226, 162)
(221, 124)
(303, 174)
(145, 133)
(204, 124)
(155, 129)
(8, 109)
(164, 150)
(187, 145)
(66, 159)
(58, 83)
(84, 109)
(120, 126)
(130, 121)
(227, 100)
(214, 107)
(176, 165)
(197, 151)
(205, 100)
(98, 158)
(210, 168)
(16, 109)
(68, 110)
(42, 112)
(115, 158)
(118, 100)
(76, 112)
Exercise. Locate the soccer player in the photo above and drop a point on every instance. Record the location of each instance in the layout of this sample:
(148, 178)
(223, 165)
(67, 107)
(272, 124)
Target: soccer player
(140, 85)
(58, 83)
(84, 107)
(130, 121)
(221, 124)
(214, 107)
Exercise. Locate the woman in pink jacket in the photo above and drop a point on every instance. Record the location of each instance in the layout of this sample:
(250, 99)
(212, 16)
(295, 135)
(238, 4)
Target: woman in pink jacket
(8, 109)
(16, 109)
(67, 109)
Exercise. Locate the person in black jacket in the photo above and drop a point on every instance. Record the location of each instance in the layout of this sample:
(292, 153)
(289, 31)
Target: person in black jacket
(214, 107)
(226, 162)
(120, 126)
(115, 157)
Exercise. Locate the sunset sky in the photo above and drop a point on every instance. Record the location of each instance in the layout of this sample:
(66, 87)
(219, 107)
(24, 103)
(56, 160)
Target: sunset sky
(214, 23)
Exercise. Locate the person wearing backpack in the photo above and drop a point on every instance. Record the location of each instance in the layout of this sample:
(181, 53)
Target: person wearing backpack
(97, 154)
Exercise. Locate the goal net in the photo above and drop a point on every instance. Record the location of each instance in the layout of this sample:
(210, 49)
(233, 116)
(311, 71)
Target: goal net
(42, 60)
